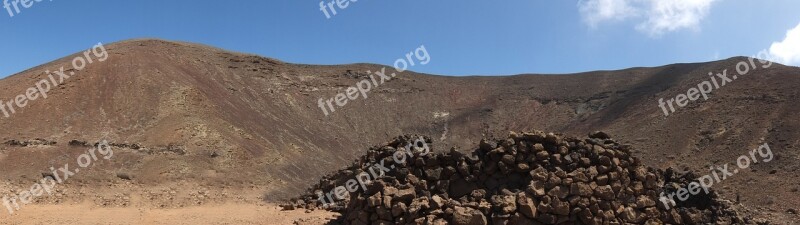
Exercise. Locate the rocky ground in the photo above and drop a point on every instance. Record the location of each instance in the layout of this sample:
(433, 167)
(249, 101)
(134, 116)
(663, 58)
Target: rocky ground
(529, 178)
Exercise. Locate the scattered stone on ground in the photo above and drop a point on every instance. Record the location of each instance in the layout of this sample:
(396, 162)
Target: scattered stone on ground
(529, 178)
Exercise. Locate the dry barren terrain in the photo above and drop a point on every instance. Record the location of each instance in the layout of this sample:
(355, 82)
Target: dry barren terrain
(207, 136)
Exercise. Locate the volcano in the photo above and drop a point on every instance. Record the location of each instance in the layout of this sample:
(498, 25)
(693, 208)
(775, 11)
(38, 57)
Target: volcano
(196, 125)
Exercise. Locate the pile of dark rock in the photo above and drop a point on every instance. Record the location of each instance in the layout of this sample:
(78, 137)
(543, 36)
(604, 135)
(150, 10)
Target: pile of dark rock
(529, 178)
(26, 143)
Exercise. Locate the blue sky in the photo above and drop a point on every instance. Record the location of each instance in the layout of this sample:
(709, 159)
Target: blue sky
(462, 37)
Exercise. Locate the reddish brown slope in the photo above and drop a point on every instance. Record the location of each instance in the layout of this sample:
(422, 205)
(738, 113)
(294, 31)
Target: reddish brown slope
(245, 120)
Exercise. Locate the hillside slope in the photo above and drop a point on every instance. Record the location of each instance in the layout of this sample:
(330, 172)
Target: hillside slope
(215, 118)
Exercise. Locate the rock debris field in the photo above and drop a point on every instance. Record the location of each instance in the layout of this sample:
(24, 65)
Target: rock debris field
(529, 178)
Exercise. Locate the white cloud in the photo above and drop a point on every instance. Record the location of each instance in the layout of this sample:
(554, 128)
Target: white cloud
(656, 16)
(596, 11)
(788, 50)
(671, 15)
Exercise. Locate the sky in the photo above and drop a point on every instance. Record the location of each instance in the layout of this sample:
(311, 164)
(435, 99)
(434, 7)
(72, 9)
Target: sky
(461, 37)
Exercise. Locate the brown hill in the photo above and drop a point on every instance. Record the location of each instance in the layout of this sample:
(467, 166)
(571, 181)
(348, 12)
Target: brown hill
(183, 114)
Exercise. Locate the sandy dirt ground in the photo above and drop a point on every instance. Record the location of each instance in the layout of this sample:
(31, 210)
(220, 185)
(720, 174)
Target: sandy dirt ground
(209, 214)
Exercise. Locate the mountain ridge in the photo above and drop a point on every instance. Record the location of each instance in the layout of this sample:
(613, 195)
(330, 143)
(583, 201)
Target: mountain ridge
(253, 120)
